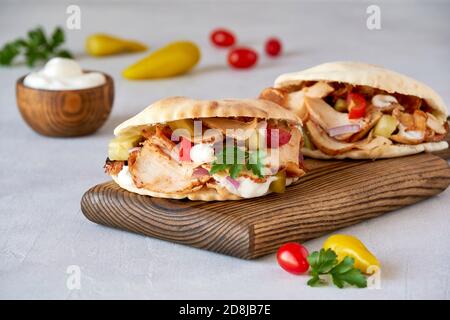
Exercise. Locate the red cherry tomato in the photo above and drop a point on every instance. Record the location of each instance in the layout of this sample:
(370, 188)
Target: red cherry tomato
(356, 105)
(292, 258)
(222, 38)
(185, 149)
(242, 58)
(283, 137)
(273, 47)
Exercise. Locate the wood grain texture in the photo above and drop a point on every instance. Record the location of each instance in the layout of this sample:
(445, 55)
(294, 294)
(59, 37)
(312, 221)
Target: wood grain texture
(65, 113)
(333, 195)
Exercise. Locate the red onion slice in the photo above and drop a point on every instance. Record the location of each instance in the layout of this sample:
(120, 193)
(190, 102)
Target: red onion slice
(349, 128)
(234, 182)
(200, 172)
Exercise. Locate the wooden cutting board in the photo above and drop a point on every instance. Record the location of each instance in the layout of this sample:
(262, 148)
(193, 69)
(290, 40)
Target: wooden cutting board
(333, 195)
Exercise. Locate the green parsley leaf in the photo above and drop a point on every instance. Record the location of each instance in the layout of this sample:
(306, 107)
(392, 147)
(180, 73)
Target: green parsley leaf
(36, 47)
(8, 53)
(217, 167)
(235, 170)
(325, 262)
(322, 262)
(57, 37)
(235, 160)
(345, 272)
(254, 162)
(315, 281)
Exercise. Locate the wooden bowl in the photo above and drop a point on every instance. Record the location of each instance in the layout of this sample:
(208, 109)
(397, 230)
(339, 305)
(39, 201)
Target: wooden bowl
(65, 113)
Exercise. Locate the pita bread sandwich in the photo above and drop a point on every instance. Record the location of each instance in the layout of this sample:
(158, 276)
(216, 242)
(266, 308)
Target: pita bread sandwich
(207, 150)
(361, 111)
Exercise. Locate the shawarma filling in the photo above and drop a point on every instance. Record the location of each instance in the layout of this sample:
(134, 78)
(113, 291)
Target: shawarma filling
(247, 157)
(340, 117)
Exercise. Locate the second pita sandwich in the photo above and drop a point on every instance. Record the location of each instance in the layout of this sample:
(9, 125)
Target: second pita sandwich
(361, 111)
(207, 150)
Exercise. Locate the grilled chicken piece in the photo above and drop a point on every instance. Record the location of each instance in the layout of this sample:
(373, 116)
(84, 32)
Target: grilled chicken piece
(437, 126)
(153, 168)
(366, 124)
(287, 156)
(325, 115)
(113, 167)
(324, 143)
(412, 127)
(295, 101)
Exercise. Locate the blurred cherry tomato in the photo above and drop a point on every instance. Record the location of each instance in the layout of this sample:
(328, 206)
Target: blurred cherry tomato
(292, 258)
(222, 38)
(273, 47)
(242, 58)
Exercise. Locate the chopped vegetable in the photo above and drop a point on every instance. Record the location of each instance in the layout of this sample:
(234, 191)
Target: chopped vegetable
(386, 126)
(292, 257)
(242, 58)
(100, 44)
(281, 134)
(279, 185)
(273, 47)
(325, 262)
(349, 246)
(341, 105)
(234, 182)
(37, 47)
(200, 172)
(222, 38)
(172, 60)
(356, 106)
(185, 149)
(118, 148)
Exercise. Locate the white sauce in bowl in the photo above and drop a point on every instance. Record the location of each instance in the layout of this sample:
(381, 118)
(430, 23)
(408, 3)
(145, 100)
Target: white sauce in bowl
(63, 74)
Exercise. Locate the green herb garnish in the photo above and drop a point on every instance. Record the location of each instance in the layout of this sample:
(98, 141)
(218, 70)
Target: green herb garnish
(324, 262)
(36, 47)
(235, 160)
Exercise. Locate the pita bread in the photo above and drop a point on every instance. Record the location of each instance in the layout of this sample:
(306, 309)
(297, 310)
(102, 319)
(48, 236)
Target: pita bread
(177, 108)
(365, 74)
(357, 73)
(204, 194)
(388, 151)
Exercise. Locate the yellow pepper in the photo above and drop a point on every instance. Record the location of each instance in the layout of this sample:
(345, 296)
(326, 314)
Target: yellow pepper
(172, 60)
(101, 44)
(349, 246)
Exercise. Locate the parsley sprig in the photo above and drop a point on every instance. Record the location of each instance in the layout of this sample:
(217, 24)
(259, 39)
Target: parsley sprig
(35, 47)
(325, 262)
(235, 160)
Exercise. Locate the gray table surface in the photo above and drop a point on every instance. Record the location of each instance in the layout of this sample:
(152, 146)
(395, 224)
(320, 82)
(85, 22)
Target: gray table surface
(42, 230)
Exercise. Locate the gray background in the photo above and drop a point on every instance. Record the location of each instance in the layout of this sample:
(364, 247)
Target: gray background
(42, 230)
